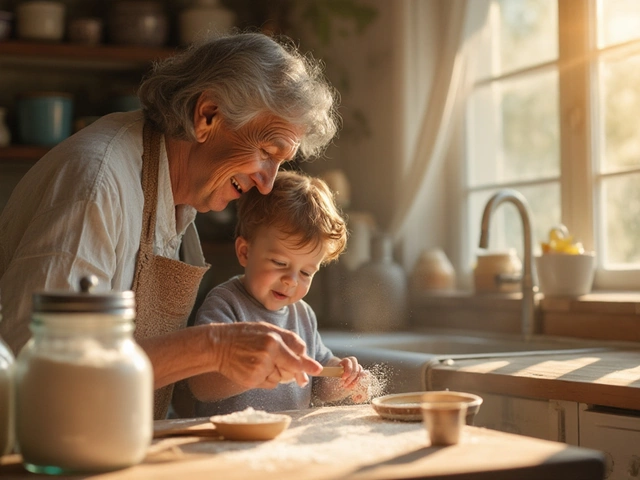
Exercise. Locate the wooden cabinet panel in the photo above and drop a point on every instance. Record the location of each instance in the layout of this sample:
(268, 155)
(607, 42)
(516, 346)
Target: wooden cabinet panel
(554, 420)
(616, 432)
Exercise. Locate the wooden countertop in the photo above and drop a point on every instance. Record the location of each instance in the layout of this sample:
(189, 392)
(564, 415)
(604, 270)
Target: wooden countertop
(609, 377)
(350, 443)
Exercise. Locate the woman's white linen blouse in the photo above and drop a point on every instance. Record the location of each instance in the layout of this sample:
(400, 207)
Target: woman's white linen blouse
(78, 211)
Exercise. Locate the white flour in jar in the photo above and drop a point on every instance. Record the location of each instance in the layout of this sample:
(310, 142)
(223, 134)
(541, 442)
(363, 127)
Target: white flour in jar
(92, 416)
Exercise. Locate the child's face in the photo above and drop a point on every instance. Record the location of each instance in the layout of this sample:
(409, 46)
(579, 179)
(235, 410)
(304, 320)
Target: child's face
(276, 271)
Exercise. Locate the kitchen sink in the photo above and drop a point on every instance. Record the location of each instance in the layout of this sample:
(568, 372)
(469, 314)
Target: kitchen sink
(402, 358)
(447, 343)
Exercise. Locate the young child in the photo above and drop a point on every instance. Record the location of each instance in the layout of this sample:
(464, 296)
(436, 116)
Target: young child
(282, 239)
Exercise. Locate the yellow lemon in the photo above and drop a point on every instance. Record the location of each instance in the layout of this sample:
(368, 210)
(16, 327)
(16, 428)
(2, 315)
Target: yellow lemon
(561, 242)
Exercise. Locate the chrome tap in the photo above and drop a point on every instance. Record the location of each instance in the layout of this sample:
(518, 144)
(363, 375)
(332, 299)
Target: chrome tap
(528, 269)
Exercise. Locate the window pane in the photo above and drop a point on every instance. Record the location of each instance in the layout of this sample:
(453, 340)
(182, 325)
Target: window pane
(621, 219)
(513, 131)
(619, 101)
(618, 21)
(513, 28)
(505, 230)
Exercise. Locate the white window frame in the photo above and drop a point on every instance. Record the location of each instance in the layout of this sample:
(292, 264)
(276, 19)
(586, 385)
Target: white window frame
(579, 181)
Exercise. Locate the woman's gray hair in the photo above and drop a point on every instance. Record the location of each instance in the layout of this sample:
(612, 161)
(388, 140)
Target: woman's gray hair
(248, 74)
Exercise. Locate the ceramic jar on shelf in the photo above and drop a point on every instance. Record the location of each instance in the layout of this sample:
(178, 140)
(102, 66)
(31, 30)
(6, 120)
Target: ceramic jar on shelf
(203, 17)
(44, 118)
(138, 22)
(85, 30)
(40, 20)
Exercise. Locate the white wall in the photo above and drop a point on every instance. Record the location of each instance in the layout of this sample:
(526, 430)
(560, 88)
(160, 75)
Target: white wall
(391, 88)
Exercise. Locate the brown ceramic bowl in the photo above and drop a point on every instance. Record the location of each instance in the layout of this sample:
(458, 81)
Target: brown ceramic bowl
(406, 406)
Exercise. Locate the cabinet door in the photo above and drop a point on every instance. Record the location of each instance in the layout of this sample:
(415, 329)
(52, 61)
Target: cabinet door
(555, 420)
(617, 434)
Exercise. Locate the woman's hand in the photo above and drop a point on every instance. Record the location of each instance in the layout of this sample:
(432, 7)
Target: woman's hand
(260, 355)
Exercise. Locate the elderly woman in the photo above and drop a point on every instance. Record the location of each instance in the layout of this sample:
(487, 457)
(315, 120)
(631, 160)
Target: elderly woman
(119, 198)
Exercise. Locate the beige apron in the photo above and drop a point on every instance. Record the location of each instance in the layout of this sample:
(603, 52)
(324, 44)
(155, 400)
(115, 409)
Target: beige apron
(165, 289)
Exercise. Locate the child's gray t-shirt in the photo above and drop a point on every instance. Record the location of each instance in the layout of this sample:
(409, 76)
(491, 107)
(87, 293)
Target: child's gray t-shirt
(230, 302)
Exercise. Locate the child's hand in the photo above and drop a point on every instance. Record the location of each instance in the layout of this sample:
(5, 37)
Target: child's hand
(362, 390)
(356, 379)
(352, 370)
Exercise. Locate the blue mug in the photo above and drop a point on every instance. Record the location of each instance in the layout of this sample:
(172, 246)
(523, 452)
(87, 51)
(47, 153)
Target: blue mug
(44, 118)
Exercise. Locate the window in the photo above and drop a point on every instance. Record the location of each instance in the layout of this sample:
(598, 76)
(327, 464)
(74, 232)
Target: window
(554, 112)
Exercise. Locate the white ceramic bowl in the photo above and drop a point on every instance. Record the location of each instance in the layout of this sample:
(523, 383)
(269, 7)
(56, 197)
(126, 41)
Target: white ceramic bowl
(561, 274)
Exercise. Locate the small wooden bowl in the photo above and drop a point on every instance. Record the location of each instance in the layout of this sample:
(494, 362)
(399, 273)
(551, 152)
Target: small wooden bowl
(253, 431)
(406, 406)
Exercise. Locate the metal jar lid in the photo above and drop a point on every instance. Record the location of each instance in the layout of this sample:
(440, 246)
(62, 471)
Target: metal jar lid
(114, 303)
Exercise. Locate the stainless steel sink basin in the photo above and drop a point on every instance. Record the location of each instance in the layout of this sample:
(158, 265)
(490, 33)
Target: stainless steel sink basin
(403, 357)
(449, 343)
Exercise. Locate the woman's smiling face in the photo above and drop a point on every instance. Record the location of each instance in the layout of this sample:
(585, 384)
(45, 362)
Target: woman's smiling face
(278, 271)
(229, 162)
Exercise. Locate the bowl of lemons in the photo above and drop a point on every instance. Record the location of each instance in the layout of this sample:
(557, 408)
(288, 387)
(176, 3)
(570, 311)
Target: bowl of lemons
(564, 267)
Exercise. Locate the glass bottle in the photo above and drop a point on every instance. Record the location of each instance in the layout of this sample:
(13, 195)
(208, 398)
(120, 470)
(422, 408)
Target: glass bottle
(7, 408)
(84, 388)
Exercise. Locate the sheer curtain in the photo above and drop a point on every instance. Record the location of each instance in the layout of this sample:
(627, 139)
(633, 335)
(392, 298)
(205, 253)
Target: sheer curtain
(439, 113)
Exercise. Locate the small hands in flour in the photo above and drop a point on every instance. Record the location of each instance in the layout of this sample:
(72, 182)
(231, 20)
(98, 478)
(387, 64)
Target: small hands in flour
(361, 392)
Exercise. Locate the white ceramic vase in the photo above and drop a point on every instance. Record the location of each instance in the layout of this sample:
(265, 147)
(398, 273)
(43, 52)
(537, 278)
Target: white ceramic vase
(377, 297)
(433, 272)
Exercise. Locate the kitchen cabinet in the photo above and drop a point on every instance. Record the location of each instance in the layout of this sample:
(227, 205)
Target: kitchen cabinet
(555, 420)
(616, 432)
(597, 395)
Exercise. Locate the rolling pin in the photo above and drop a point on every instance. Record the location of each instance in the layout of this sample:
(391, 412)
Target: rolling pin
(331, 372)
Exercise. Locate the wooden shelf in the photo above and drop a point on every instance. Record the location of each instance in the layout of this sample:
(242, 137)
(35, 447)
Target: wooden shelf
(70, 55)
(92, 56)
(22, 153)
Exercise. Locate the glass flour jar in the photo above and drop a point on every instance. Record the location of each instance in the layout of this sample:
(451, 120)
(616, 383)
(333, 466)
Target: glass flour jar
(84, 388)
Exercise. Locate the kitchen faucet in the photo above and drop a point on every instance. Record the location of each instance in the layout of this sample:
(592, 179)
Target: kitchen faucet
(528, 271)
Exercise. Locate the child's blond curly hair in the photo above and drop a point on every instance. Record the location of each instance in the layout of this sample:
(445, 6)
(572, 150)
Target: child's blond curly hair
(301, 206)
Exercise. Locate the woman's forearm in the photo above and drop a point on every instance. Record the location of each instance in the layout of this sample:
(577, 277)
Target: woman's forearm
(181, 354)
(210, 387)
(246, 353)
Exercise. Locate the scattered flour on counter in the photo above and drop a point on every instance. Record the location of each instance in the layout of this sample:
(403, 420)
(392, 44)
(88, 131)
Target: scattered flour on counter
(248, 415)
(365, 436)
